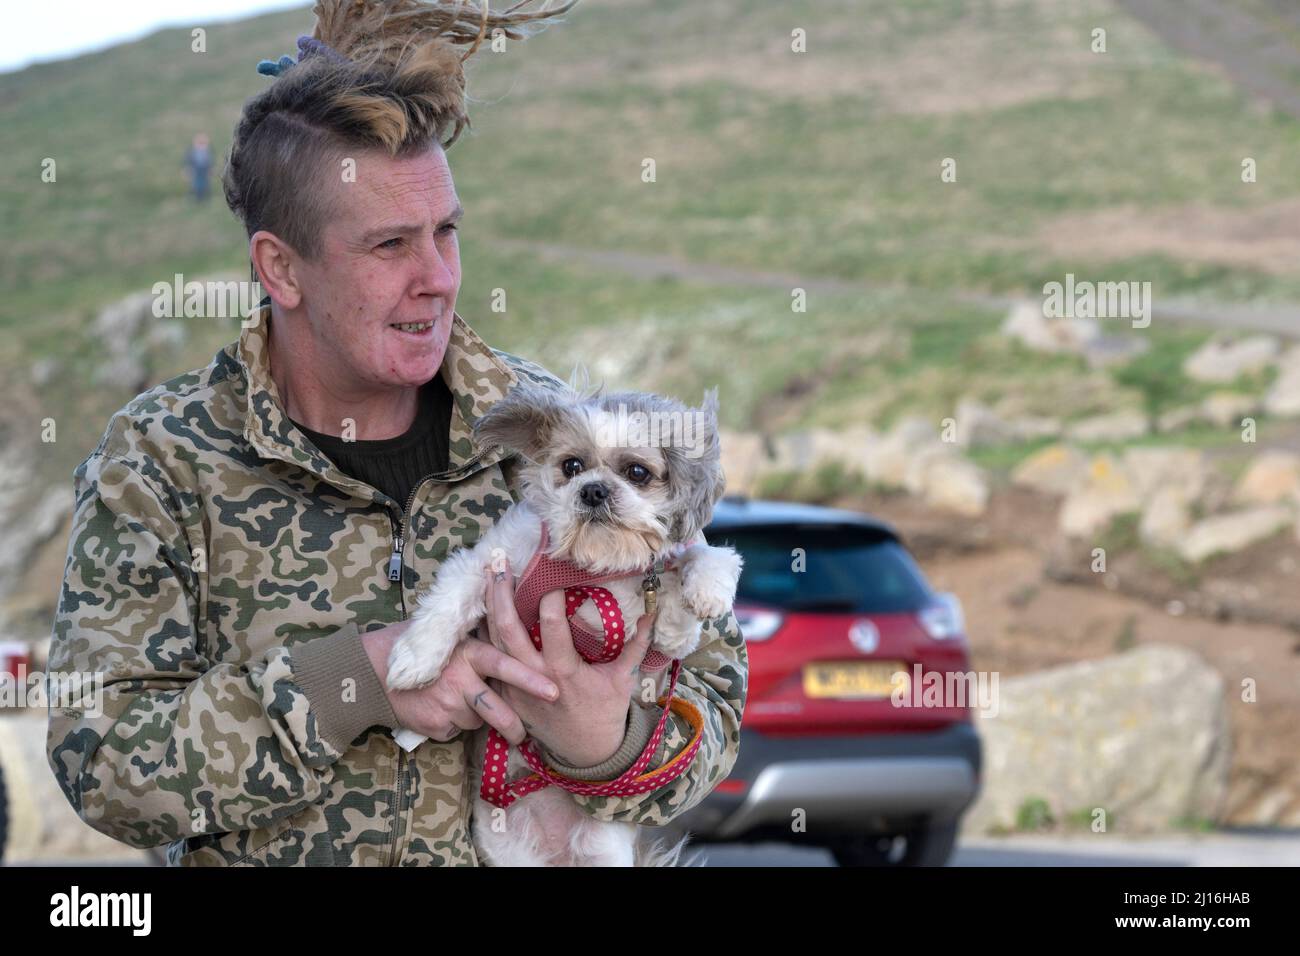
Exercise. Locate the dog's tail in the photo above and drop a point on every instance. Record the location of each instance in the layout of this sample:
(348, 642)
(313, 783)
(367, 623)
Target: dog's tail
(659, 853)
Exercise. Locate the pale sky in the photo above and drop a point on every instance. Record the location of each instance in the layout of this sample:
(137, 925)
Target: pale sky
(36, 31)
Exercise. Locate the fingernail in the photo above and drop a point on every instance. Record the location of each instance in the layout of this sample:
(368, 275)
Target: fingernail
(552, 691)
(499, 560)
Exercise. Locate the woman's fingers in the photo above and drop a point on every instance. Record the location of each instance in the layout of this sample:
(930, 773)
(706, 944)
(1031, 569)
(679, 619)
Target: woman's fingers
(492, 710)
(558, 650)
(505, 630)
(488, 661)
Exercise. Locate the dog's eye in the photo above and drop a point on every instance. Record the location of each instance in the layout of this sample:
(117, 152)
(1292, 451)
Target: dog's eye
(571, 467)
(638, 474)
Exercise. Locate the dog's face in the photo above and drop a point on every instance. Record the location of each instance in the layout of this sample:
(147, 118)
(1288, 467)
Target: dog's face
(619, 479)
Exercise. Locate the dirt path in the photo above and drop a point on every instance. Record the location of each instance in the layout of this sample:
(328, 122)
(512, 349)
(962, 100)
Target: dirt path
(1260, 53)
(1276, 319)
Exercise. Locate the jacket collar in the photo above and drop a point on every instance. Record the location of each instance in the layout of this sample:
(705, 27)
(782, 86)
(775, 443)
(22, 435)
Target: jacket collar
(476, 377)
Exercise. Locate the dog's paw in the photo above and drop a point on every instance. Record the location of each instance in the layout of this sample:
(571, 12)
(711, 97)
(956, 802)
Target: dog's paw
(679, 643)
(709, 582)
(414, 662)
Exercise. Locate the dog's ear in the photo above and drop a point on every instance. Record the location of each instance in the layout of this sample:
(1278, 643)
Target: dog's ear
(695, 471)
(524, 420)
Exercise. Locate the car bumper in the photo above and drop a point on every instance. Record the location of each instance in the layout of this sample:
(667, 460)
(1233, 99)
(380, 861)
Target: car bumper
(843, 784)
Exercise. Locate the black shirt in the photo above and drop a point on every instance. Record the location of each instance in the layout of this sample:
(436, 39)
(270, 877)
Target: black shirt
(396, 465)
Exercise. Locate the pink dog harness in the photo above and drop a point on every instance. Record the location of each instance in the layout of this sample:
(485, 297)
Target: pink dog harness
(544, 574)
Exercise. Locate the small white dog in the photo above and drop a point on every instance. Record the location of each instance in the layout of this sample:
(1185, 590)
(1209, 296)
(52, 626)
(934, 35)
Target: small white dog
(615, 496)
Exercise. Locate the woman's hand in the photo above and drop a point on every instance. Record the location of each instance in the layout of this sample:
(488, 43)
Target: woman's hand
(585, 725)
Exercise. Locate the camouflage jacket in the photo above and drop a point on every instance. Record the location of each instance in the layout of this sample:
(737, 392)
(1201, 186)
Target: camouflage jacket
(219, 572)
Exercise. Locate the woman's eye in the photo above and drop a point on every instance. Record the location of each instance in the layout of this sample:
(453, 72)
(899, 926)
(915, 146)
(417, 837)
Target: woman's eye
(639, 474)
(571, 467)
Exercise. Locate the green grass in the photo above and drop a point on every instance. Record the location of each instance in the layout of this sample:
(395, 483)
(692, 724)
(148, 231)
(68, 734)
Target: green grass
(763, 160)
(821, 485)
(1034, 814)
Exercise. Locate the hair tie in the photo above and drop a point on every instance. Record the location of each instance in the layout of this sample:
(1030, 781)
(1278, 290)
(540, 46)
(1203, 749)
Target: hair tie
(307, 46)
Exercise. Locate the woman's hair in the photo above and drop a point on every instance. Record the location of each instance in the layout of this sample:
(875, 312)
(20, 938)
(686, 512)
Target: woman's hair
(388, 78)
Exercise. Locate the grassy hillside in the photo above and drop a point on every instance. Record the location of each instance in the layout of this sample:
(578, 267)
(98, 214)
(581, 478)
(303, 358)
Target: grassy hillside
(821, 164)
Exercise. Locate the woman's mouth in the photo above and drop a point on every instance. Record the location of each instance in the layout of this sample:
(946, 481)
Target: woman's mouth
(414, 328)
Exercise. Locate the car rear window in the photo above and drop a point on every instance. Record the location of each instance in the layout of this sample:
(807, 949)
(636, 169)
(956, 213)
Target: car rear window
(849, 570)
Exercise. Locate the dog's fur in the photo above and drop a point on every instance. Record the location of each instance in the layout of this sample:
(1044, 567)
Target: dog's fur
(629, 529)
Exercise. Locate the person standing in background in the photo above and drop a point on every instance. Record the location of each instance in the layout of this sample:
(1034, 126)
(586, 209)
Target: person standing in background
(198, 160)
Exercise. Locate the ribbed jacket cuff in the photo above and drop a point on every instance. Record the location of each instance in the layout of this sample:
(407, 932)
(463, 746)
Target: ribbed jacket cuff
(641, 723)
(320, 666)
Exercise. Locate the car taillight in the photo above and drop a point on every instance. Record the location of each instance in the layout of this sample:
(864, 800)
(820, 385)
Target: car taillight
(943, 620)
(758, 625)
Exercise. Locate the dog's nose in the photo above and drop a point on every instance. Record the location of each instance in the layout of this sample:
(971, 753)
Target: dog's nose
(593, 493)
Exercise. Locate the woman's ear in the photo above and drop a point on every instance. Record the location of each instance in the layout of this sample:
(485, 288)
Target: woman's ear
(273, 262)
(524, 420)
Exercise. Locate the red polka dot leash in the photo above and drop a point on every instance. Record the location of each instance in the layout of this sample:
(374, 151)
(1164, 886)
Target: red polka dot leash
(546, 574)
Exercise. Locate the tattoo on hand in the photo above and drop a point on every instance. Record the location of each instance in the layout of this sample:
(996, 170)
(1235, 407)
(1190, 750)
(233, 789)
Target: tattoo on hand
(478, 698)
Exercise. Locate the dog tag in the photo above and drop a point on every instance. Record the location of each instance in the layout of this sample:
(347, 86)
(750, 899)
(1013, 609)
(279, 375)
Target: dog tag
(650, 590)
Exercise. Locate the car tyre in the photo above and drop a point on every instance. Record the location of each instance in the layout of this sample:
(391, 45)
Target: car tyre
(929, 845)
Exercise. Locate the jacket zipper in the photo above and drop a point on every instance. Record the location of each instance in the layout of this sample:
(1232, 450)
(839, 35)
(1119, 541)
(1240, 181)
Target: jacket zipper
(395, 564)
(400, 793)
(395, 558)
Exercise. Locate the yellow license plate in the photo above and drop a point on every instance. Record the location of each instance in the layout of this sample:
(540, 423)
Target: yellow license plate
(855, 680)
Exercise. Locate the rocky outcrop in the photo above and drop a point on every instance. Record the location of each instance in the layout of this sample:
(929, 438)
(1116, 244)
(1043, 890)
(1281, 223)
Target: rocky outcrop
(1224, 359)
(1142, 736)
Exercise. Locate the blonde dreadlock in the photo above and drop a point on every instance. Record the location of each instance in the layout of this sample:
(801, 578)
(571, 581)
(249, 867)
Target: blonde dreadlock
(392, 80)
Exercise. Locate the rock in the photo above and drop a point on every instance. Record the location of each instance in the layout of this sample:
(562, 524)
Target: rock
(1223, 360)
(1033, 427)
(804, 450)
(1166, 517)
(1227, 409)
(1267, 809)
(25, 525)
(1273, 477)
(1105, 493)
(951, 483)
(130, 333)
(919, 462)
(1118, 426)
(1154, 468)
(857, 444)
(1283, 399)
(1053, 470)
(169, 335)
(119, 323)
(1143, 736)
(44, 370)
(1108, 350)
(119, 370)
(42, 824)
(1177, 419)
(854, 448)
(1229, 533)
(1027, 324)
(978, 426)
(887, 461)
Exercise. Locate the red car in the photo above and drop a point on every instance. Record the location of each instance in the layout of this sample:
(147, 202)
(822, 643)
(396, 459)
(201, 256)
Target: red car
(838, 748)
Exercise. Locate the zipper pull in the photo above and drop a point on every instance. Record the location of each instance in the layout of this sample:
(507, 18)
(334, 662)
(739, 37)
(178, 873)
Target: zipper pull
(395, 561)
